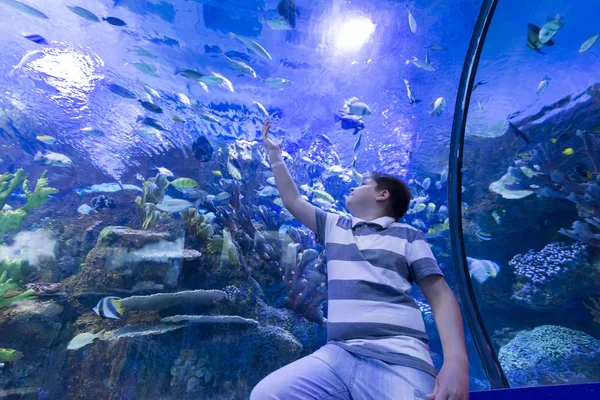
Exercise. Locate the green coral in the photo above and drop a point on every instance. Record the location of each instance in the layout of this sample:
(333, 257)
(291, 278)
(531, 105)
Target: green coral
(6, 285)
(12, 220)
(16, 269)
(9, 355)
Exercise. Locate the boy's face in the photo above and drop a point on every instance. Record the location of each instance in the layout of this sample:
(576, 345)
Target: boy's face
(362, 198)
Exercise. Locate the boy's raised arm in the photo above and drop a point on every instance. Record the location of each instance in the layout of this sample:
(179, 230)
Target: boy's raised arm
(302, 210)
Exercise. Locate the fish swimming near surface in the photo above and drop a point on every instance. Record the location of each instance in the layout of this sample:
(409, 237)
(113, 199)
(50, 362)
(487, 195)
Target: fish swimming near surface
(288, 11)
(481, 270)
(254, 46)
(36, 39)
(421, 64)
(183, 99)
(151, 107)
(153, 123)
(277, 83)
(357, 144)
(82, 12)
(533, 40)
(354, 106)
(549, 29)
(541, 89)
(438, 106)
(46, 139)
(412, 22)
(24, 8)
(53, 159)
(115, 21)
(121, 91)
(589, 42)
(27, 58)
(83, 339)
(109, 307)
(349, 121)
(410, 93)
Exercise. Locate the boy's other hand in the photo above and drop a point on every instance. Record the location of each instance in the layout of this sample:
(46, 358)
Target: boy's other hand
(269, 141)
(452, 382)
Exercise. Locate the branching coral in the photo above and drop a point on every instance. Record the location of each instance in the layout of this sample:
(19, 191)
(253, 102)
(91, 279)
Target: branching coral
(12, 220)
(305, 281)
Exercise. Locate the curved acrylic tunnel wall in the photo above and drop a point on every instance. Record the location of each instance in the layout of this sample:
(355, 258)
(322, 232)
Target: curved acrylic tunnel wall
(107, 97)
(530, 191)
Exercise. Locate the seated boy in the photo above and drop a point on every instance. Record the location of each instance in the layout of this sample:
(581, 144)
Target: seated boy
(377, 344)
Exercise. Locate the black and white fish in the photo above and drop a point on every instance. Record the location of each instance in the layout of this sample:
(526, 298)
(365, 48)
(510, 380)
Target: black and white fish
(109, 307)
(533, 39)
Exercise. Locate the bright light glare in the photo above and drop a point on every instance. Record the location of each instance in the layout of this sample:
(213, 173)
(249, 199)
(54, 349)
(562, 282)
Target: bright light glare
(354, 34)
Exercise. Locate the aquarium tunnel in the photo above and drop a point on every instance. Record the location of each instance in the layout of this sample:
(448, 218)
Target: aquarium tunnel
(145, 250)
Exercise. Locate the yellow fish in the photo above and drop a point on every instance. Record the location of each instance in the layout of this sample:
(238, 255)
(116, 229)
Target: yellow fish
(568, 151)
(216, 172)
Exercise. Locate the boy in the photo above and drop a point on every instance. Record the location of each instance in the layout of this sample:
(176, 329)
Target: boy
(376, 345)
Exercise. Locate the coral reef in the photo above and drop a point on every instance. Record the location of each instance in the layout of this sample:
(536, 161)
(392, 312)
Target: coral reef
(582, 231)
(304, 277)
(12, 220)
(548, 278)
(551, 355)
(7, 285)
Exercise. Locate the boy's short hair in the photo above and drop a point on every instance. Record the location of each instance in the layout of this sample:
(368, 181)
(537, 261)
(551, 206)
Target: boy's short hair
(399, 193)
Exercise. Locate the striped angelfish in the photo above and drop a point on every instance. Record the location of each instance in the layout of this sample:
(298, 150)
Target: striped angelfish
(109, 307)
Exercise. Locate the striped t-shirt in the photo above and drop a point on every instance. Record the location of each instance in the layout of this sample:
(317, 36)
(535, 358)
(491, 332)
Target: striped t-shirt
(370, 268)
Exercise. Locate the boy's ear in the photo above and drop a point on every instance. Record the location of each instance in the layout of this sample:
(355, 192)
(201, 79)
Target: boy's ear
(384, 195)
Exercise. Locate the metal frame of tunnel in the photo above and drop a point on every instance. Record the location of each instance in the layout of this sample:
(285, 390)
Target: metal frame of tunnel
(482, 341)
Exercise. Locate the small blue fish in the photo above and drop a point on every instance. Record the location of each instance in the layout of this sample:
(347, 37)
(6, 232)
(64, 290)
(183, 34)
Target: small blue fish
(357, 144)
(82, 12)
(115, 21)
(36, 38)
(349, 121)
(121, 91)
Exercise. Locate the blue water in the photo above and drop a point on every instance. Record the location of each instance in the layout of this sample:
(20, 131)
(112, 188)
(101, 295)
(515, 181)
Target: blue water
(337, 50)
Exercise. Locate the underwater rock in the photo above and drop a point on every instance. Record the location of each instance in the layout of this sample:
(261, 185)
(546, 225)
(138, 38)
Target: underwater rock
(100, 202)
(160, 301)
(551, 355)
(133, 256)
(210, 319)
(552, 277)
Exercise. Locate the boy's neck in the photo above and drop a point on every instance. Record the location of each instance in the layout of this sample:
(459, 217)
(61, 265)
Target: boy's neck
(370, 216)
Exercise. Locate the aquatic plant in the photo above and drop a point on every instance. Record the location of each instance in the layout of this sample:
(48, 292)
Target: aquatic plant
(305, 282)
(7, 285)
(547, 277)
(305, 238)
(12, 220)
